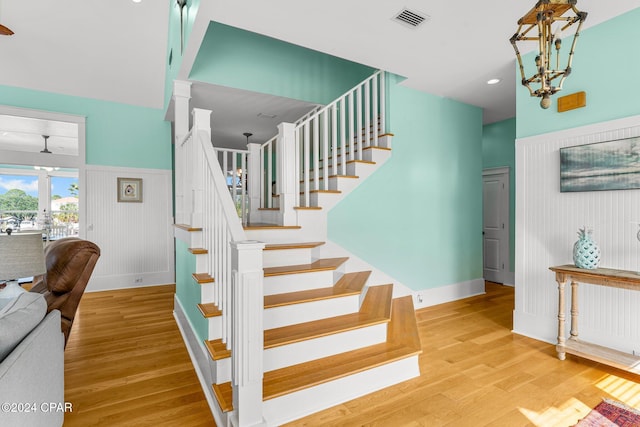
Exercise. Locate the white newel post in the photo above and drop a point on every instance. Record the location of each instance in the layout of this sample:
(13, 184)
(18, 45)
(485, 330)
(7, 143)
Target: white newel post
(286, 170)
(201, 131)
(181, 97)
(247, 331)
(253, 186)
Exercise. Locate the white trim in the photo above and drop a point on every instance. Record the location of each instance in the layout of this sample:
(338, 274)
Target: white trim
(440, 295)
(200, 364)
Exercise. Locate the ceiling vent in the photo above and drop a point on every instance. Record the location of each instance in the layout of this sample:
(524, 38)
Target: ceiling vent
(411, 18)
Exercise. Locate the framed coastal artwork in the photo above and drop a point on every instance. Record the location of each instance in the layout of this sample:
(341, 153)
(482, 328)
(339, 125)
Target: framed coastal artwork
(611, 165)
(130, 190)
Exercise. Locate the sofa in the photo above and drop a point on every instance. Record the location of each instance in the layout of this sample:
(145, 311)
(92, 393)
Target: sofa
(31, 363)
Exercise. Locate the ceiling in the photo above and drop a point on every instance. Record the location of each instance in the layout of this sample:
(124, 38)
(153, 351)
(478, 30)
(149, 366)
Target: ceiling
(115, 50)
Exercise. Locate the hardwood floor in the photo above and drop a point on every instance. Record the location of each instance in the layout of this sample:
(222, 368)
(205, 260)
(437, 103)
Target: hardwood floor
(126, 365)
(475, 372)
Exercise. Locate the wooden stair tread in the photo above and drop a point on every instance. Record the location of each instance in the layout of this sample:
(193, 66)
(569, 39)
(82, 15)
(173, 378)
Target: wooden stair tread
(202, 278)
(308, 208)
(403, 328)
(324, 191)
(298, 377)
(333, 176)
(209, 310)
(224, 396)
(198, 251)
(265, 226)
(354, 281)
(319, 265)
(367, 162)
(346, 286)
(402, 341)
(299, 245)
(187, 227)
(368, 316)
(217, 349)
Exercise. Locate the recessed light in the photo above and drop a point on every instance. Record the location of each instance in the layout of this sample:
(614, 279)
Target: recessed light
(137, 1)
(493, 81)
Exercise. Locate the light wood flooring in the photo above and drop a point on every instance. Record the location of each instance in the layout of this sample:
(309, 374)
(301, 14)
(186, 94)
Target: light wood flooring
(126, 365)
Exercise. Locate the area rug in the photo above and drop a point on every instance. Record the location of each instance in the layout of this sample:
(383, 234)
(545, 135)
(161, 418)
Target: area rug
(610, 413)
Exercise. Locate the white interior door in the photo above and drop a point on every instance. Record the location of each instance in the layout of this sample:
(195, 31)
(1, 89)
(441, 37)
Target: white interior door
(495, 224)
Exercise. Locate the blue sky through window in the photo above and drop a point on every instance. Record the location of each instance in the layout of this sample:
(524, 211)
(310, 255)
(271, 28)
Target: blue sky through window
(60, 185)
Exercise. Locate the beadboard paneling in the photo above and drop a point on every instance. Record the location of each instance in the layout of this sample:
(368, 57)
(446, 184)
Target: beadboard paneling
(547, 222)
(136, 239)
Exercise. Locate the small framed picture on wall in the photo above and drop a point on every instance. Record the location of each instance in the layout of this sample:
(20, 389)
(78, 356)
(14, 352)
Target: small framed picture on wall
(130, 190)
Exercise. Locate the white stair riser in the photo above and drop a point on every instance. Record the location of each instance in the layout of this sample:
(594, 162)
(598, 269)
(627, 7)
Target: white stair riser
(264, 216)
(282, 257)
(304, 351)
(297, 282)
(273, 235)
(207, 291)
(324, 200)
(215, 328)
(310, 400)
(306, 312)
(201, 263)
(221, 370)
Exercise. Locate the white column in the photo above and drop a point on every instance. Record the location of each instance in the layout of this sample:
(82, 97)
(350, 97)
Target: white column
(253, 187)
(247, 333)
(181, 97)
(286, 170)
(201, 134)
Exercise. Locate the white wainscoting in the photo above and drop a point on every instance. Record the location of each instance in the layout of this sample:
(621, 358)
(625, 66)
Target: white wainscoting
(135, 239)
(547, 222)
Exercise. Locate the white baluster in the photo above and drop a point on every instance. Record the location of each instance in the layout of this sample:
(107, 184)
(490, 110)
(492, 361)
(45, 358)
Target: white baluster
(383, 106)
(359, 121)
(325, 151)
(367, 114)
(343, 137)
(374, 111)
(289, 187)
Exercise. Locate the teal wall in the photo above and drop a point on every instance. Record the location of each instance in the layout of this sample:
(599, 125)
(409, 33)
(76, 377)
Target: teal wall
(419, 217)
(188, 291)
(499, 150)
(174, 51)
(116, 134)
(244, 60)
(606, 66)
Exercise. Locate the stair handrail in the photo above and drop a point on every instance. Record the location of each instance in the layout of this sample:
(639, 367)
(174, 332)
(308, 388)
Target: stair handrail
(344, 128)
(338, 99)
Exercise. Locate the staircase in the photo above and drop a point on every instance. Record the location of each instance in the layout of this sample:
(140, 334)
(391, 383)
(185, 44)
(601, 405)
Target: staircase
(328, 331)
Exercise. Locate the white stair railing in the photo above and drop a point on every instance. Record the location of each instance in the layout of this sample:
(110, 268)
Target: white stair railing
(268, 172)
(234, 263)
(234, 164)
(338, 133)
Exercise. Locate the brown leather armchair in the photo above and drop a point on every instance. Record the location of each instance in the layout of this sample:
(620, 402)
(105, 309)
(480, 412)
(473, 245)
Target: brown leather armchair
(70, 262)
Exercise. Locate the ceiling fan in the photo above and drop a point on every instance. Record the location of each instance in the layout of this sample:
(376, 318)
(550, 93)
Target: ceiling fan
(46, 150)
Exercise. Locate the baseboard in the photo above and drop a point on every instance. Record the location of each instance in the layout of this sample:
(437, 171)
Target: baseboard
(199, 359)
(448, 293)
(126, 281)
(536, 327)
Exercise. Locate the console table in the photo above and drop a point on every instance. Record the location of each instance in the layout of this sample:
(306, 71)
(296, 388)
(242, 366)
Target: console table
(599, 276)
